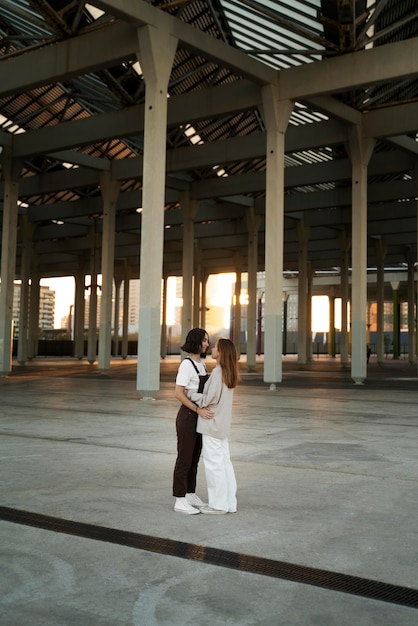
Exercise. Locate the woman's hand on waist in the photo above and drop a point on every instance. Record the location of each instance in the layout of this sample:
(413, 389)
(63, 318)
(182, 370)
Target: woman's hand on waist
(205, 412)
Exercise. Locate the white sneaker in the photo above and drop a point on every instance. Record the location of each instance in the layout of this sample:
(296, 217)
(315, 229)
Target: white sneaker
(208, 510)
(194, 500)
(182, 506)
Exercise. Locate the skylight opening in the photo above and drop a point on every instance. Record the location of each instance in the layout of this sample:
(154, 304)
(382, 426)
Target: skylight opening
(10, 126)
(371, 30)
(192, 135)
(137, 67)
(260, 29)
(220, 171)
(94, 11)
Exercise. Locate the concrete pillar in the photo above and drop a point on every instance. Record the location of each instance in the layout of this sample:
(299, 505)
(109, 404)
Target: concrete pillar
(411, 307)
(125, 315)
(197, 281)
(116, 315)
(110, 192)
(79, 313)
(361, 149)
(253, 225)
(380, 301)
(368, 323)
(331, 337)
(189, 209)
(345, 245)
(27, 229)
(203, 307)
(92, 329)
(237, 306)
(163, 344)
(309, 312)
(285, 303)
(276, 118)
(303, 238)
(396, 322)
(35, 294)
(416, 258)
(156, 54)
(11, 172)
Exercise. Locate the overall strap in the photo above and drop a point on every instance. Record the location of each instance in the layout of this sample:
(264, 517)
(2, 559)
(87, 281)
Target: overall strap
(202, 377)
(194, 364)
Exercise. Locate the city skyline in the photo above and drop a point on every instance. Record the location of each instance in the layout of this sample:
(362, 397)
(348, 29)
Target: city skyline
(64, 288)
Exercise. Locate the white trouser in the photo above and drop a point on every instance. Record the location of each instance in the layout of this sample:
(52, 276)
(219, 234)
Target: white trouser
(220, 475)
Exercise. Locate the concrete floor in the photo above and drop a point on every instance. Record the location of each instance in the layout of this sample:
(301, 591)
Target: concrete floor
(327, 479)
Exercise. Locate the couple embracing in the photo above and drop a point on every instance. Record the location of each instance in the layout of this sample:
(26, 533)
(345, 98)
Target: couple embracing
(203, 423)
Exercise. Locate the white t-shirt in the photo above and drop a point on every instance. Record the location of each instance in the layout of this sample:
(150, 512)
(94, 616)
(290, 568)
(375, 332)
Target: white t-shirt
(187, 376)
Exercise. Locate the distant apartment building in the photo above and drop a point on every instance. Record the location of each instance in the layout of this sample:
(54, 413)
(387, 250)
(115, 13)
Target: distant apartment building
(46, 309)
(133, 308)
(87, 310)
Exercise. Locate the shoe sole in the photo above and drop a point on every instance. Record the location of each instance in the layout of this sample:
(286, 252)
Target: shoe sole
(214, 512)
(195, 512)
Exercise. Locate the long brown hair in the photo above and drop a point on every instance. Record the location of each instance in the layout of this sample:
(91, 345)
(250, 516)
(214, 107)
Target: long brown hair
(228, 360)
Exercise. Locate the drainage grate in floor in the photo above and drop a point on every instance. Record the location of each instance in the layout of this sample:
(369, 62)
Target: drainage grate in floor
(334, 581)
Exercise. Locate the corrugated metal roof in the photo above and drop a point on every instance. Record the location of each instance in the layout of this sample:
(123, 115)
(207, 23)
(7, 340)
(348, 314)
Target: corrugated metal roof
(279, 33)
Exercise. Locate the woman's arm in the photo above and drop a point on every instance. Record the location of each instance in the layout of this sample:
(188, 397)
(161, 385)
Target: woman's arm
(180, 394)
(212, 391)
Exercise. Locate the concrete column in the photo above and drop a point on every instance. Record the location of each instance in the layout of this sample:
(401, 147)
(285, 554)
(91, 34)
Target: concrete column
(331, 336)
(303, 238)
(11, 172)
(380, 301)
(309, 312)
(110, 192)
(285, 303)
(156, 54)
(396, 322)
(27, 229)
(361, 150)
(189, 208)
(411, 307)
(416, 256)
(35, 294)
(203, 307)
(92, 329)
(116, 316)
(253, 225)
(237, 307)
(163, 348)
(368, 307)
(79, 314)
(345, 245)
(125, 315)
(276, 118)
(197, 281)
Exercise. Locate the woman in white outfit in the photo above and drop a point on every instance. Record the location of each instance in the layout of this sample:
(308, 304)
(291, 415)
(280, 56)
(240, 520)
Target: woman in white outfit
(217, 396)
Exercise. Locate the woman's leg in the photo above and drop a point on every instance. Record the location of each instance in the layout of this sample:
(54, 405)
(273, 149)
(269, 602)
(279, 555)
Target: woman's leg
(231, 483)
(214, 461)
(192, 473)
(186, 452)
